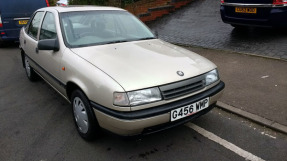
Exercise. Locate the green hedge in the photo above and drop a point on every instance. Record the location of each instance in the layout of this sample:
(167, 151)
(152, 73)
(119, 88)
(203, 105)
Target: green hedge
(52, 2)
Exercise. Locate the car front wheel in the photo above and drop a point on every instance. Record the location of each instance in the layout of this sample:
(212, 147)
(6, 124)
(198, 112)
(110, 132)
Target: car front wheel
(84, 116)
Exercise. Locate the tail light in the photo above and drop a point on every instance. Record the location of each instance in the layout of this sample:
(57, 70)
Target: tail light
(1, 25)
(279, 2)
(221, 1)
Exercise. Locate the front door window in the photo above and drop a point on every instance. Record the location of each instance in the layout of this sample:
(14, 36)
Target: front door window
(48, 29)
(34, 25)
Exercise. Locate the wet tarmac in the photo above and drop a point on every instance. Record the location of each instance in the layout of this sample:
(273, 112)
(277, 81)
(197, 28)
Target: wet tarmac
(200, 24)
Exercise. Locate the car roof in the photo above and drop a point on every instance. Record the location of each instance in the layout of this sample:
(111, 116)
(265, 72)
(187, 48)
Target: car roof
(81, 8)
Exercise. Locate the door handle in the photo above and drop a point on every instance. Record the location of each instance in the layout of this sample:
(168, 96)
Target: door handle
(24, 41)
(37, 50)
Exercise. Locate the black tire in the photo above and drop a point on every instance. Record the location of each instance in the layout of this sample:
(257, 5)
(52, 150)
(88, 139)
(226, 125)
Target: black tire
(88, 126)
(2, 44)
(240, 27)
(31, 74)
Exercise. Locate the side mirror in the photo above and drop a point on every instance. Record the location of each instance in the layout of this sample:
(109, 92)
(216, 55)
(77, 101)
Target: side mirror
(49, 44)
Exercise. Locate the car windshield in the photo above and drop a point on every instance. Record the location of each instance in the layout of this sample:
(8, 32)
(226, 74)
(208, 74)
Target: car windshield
(87, 28)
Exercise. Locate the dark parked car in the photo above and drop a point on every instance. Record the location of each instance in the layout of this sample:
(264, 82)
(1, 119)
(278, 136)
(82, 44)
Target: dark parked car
(14, 14)
(265, 13)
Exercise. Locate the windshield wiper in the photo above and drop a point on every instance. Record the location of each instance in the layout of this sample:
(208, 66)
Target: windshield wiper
(116, 41)
(120, 41)
(146, 38)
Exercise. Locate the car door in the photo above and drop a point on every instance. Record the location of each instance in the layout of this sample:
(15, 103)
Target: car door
(50, 60)
(31, 39)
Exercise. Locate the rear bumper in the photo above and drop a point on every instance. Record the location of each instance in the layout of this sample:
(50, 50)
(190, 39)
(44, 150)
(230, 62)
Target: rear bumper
(273, 17)
(153, 119)
(10, 35)
(5, 38)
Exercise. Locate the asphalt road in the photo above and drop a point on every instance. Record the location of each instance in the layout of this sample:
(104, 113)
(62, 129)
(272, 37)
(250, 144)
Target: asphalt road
(200, 24)
(36, 124)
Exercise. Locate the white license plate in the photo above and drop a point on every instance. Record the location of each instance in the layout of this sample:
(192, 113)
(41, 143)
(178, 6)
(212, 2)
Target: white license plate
(189, 109)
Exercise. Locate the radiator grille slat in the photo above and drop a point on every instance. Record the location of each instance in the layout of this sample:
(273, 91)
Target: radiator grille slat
(182, 88)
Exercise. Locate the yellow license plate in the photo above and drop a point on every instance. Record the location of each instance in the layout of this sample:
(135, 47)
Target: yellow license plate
(23, 22)
(245, 10)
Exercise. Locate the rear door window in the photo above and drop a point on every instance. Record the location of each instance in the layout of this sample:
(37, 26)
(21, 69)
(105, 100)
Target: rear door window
(48, 29)
(34, 25)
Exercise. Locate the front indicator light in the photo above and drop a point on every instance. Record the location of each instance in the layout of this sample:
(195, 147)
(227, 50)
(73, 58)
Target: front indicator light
(121, 99)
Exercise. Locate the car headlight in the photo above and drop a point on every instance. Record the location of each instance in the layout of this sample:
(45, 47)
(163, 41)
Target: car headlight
(137, 97)
(211, 77)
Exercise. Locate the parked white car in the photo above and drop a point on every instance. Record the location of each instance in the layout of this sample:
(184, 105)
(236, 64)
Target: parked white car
(117, 75)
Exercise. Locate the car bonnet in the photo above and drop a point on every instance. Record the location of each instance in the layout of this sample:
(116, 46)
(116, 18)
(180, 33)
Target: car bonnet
(143, 64)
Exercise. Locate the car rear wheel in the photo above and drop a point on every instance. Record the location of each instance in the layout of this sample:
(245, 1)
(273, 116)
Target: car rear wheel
(84, 117)
(31, 74)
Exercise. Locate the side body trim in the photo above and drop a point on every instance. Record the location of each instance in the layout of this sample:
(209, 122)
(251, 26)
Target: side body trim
(53, 77)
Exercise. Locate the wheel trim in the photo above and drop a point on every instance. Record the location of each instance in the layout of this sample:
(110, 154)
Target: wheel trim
(27, 67)
(80, 114)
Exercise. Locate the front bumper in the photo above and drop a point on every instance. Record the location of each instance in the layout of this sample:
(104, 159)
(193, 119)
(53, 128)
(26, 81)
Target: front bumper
(152, 119)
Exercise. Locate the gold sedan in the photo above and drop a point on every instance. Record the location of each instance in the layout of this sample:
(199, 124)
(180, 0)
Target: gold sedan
(115, 73)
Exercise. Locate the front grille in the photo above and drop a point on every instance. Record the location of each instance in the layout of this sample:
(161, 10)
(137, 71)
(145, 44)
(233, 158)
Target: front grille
(183, 87)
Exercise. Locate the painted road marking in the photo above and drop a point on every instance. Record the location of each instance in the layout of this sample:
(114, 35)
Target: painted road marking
(245, 154)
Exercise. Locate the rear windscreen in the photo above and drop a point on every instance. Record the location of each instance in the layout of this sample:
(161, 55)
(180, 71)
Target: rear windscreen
(20, 8)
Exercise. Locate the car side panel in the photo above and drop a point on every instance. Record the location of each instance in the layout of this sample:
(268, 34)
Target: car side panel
(45, 63)
(50, 61)
(97, 85)
(60, 68)
(30, 50)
